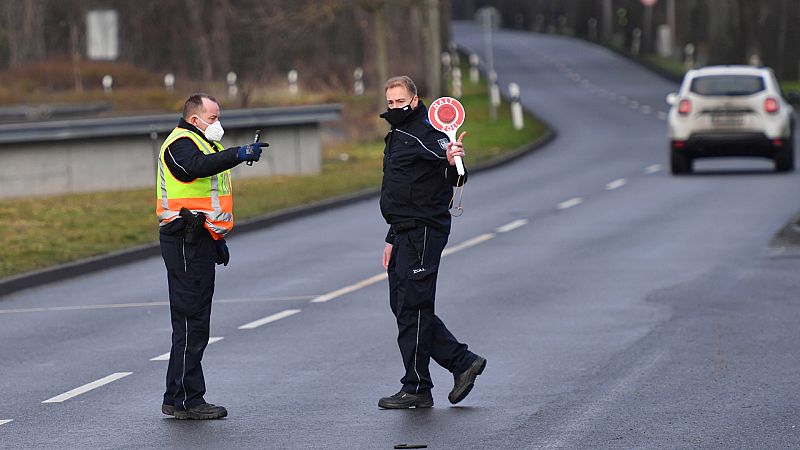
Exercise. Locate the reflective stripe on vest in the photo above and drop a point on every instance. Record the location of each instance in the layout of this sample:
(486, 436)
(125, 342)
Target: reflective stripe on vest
(211, 196)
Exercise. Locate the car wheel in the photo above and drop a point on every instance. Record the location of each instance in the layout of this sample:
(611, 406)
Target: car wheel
(680, 163)
(784, 159)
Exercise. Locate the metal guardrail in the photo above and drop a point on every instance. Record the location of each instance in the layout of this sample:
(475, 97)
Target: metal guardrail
(44, 112)
(161, 123)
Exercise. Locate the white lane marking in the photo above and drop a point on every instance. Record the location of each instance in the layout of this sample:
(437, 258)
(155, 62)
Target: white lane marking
(383, 276)
(146, 304)
(570, 203)
(512, 226)
(352, 288)
(268, 319)
(623, 100)
(5, 421)
(87, 387)
(468, 243)
(662, 115)
(634, 105)
(616, 184)
(612, 96)
(165, 356)
(646, 109)
(652, 169)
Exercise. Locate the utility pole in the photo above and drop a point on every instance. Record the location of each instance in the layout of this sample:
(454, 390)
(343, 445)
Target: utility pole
(608, 20)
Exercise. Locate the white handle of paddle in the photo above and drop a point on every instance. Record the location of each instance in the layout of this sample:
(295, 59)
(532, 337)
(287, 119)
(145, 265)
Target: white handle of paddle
(459, 165)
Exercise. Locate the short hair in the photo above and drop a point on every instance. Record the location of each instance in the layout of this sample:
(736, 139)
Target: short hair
(194, 104)
(404, 81)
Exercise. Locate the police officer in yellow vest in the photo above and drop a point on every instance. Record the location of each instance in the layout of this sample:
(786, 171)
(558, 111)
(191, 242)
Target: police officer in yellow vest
(194, 204)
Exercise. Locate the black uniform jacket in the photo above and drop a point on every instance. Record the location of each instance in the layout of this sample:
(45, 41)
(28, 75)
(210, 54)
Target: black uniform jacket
(186, 162)
(417, 179)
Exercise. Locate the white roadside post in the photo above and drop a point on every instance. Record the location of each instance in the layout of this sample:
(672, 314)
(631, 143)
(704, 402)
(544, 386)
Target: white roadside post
(292, 77)
(108, 83)
(494, 95)
(169, 82)
(689, 56)
(233, 90)
(474, 73)
(636, 43)
(455, 57)
(358, 81)
(456, 90)
(592, 29)
(517, 117)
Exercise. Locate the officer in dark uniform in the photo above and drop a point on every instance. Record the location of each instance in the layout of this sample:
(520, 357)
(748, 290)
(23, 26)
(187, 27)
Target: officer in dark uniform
(418, 178)
(195, 209)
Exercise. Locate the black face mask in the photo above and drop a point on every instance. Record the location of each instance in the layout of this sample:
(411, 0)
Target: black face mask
(397, 116)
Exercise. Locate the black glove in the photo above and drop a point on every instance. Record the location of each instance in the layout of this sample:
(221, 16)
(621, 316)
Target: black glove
(223, 255)
(250, 152)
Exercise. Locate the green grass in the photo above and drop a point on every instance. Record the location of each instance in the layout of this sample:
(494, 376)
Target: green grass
(790, 86)
(42, 232)
(671, 65)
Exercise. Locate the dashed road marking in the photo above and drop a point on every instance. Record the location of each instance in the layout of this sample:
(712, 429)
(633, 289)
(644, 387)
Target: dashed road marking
(352, 288)
(652, 169)
(634, 105)
(165, 356)
(512, 226)
(616, 184)
(87, 387)
(570, 203)
(269, 319)
(5, 421)
(382, 276)
(623, 100)
(468, 243)
(646, 109)
(662, 115)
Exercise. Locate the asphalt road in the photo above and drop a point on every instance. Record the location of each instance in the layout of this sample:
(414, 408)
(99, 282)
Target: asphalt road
(618, 306)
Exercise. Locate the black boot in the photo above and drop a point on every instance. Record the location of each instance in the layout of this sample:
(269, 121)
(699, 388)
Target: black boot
(168, 409)
(404, 400)
(202, 412)
(465, 380)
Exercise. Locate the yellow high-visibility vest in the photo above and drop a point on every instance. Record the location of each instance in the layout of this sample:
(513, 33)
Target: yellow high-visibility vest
(211, 196)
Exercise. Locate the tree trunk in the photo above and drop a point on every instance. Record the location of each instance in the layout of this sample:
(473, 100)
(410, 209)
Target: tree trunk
(434, 76)
(382, 62)
(203, 44)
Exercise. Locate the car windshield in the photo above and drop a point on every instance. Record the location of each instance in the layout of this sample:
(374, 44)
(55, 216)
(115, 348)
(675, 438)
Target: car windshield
(728, 85)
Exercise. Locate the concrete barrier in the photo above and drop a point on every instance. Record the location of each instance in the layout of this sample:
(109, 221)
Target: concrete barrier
(70, 156)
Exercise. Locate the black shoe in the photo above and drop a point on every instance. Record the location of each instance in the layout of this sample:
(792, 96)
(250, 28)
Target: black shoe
(404, 400)
(465, 380)
(202, 412)
(168, 410)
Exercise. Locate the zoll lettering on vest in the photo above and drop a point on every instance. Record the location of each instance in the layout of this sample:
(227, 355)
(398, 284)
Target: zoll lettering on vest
(446, 114)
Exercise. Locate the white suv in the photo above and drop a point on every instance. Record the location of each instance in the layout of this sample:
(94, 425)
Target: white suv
(730, 111)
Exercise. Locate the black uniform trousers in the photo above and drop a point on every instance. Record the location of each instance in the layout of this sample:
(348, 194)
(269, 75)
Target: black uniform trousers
(190, 275)
(412, 270)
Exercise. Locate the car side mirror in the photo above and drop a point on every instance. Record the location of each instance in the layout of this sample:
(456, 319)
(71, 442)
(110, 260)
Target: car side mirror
(672, 98)
(793, 98)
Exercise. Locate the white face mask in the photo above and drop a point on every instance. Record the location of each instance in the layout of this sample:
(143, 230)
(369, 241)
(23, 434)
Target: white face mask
(214, 131)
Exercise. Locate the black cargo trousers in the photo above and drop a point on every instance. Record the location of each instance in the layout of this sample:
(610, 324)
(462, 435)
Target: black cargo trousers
(413, 269)
(190, 276)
